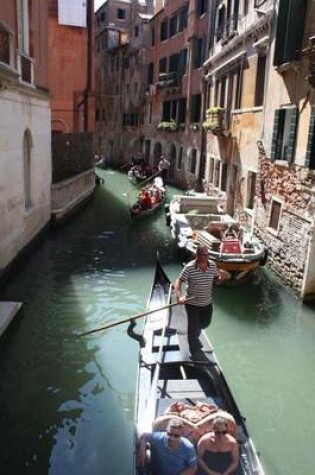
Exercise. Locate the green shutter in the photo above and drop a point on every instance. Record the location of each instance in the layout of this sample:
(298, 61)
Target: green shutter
(294, 30)
(281, 32)
(277, 135)
(310, 151)
(292, 117)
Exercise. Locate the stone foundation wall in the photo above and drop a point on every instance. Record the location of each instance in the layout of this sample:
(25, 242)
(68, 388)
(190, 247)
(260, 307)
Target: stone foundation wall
(289, 246)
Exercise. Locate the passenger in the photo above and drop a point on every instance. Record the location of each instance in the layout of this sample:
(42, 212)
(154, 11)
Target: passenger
(217, 451)
(172, 454)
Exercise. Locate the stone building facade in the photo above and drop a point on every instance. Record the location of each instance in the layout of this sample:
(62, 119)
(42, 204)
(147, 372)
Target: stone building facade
(286, 178)
(259, 125)
(25, 151)
(121, 27)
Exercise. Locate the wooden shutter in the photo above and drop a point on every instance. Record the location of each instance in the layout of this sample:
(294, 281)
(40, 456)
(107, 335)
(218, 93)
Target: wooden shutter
(281, 32)
(292, 117)
(277, 134)
(310, 151)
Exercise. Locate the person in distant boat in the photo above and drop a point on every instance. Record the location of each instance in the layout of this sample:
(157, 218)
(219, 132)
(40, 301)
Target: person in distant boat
(172, 454)
(163, 168)
(199, 276)
(217, 451)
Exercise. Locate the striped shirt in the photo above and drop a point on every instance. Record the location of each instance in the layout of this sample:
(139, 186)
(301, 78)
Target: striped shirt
(199, 283)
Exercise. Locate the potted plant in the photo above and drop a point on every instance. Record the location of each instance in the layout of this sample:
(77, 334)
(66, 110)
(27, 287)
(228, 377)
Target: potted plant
(168, 126)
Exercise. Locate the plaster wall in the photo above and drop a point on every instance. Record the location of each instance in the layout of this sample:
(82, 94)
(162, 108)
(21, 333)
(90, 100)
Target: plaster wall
(19, 225)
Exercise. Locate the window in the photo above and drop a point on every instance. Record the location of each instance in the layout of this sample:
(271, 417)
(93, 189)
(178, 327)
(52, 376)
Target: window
(239, 88)
(183, 18)
(310, 154)
(260, 81)
(121, 14)
(195, 108)
(180, 159)
(183, 61)
(163, 65)
(164, 30)
(201, 7)
(216, 178)
(251, 189)
(181, 117)
(27, 160)
(193, 161)
(173, 26)
(136, 31)
(198, 52)
(284, 134)
(150, 73)
(275, 213)
(290, 30)
(224, 169)
(211, 170)
(5, 45)
(174, 62)
(152, 37)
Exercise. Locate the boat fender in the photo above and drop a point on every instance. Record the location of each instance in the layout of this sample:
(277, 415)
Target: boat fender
(264, 259)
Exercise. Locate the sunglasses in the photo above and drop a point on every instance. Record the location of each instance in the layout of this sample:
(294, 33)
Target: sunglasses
(176, 436)
(220, 432)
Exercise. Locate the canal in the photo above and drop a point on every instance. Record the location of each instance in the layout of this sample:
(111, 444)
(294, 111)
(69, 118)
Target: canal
(66, 403)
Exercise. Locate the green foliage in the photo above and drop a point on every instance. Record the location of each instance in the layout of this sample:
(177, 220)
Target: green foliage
(170, 126)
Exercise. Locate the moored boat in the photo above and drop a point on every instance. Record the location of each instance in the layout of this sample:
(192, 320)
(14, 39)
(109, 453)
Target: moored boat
(169, 380)
(200, 220)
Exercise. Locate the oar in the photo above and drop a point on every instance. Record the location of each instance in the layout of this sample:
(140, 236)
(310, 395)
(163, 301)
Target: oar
(134, 317)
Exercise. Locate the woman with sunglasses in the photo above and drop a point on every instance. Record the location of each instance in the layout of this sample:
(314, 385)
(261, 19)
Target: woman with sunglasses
(217, 451)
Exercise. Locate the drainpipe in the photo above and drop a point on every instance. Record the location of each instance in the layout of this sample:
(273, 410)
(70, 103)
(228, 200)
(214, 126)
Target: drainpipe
(202, 135)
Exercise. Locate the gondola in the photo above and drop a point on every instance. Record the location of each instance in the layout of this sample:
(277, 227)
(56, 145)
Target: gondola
(138, 212)
(167, 374)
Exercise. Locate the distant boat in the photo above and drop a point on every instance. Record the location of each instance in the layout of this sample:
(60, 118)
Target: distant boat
(157, 193)
(199, 220)
(169, 378)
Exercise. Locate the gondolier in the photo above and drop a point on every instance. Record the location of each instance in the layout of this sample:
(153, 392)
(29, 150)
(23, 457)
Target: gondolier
(199, 275)
(163, 167)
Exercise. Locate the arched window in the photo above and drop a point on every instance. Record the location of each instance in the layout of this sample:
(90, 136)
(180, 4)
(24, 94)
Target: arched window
(27, 161)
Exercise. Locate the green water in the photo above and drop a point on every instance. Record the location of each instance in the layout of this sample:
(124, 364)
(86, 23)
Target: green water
(66, 404)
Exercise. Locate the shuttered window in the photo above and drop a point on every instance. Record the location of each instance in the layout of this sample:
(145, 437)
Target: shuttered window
(310, 152)
(275, 212)
(290, 30)
(284, 134)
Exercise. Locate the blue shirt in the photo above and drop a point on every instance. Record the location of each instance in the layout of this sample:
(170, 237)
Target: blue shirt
(169, 461)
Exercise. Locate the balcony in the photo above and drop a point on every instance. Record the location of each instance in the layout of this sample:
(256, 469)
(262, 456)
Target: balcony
(215, 120)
